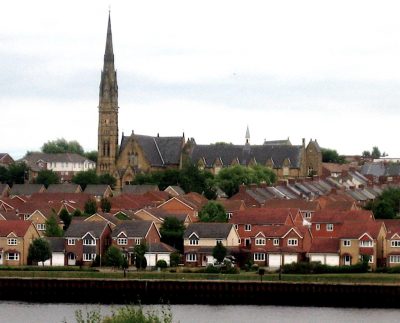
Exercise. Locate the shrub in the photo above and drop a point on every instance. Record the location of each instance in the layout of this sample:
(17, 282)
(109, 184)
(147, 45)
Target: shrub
(175, 259)
(161, 264)
(210, 269)
(318, 268)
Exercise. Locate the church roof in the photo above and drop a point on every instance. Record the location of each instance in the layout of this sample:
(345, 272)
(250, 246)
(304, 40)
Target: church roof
(261, 154)
(159, 151)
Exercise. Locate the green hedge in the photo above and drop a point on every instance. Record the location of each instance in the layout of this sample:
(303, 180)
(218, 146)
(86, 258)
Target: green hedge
(44, 268)
(318, 268)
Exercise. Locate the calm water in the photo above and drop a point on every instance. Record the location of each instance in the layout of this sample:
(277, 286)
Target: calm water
(16, 312)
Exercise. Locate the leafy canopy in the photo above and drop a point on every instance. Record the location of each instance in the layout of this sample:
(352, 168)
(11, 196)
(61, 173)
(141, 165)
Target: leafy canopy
(114, 257)
(39, 250)
(90, 207)
(219, 252)
(47, 177)
(213, 212)
(52, 228)
(386, 206)
(332, 156)
(62, 146)
(172, 231)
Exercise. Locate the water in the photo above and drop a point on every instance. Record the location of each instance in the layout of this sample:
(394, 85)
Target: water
(17, 312)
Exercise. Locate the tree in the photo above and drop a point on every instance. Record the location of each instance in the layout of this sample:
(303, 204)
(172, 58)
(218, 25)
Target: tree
(91, 155)
(140, 260)
(332, 156)
(17, 173)
(108, 180)
(229, 179)
(105, 205)
(366, 154)
(213, 212)
(85, 177)
(114, 257)
(192, 179)
(4, 175)
(376, 153)
(47, 177)
(386, 206)
(39, 250)
(52, 228)
(174, 259)
(219, 252)
(77, 212)
(62, 146)
(66, 218)
(90, 207)
(172, 231)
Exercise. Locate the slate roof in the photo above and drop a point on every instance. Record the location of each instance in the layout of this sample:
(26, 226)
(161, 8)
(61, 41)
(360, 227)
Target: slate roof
(78, 229)
(132, 229)
(56, 243)
(32, 158)
(160, 247)
(96, 190)
(159, 151)
(261, 154)
(208, 230)
(392, 169)
(374, 169)
(278, 142)
(26, 189)
(64, 188)
(176, 189)
(139, 189)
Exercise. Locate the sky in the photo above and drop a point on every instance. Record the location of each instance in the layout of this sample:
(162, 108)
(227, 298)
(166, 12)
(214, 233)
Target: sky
(325, 70)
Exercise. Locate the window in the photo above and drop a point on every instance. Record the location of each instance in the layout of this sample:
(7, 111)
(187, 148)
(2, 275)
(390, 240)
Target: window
(122, 241)
(191, 257)
(346, 243)
(41, 226)
(138, 241)
(259, 256)
(307, 215)
(89, 242)
(329, 227)
(317, 226)
(218, 241)
(247, 227)
(260, 242)
(275, 242)
(71, 241)
(292, 242)
(395, 243)
(371, 259)
(367, 243)
(395, 259)
(12, 241)
(193, 242)
(229, 215)
(89, 256)
(13, 256)
(236, 226)
(26, 216)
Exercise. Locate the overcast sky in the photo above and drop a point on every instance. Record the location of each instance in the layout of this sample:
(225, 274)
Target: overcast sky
(300, 69)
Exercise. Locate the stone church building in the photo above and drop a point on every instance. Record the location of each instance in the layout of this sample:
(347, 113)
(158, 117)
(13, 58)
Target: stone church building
(141, 154)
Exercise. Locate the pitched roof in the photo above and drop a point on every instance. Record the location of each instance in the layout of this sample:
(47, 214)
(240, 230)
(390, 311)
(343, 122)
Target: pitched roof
(64, 188)
(334, 216)
(293, 203)
(160, 247)
(26, 189)
(176, 190)
(139, 189)
(63, 157)
(19, 227)
(208, 230)
(97, 189)
(77, 229)
(261, 216)
(56, 244)
(351, 231)
(133, 229)
(325, 245)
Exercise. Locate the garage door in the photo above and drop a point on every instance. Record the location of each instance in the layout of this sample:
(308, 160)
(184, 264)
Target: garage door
(316, 258)
(288, 259)
(274, 261)
(163, 257)
(151, 259)
(332, 260)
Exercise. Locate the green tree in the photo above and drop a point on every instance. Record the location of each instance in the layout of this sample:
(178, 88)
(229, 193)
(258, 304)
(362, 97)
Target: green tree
(66, 218)
(219, 252)
(105, 205)
(114, 257)
(140, 260)
(91, 155)
(90, 207)
(172, 231)
(47, 177)
(332, 156)
(17, 173)
(52, 227)
(376, 153)
(39, 250)
(366, 154)
(192, 179)
(213, 212)
(77, 212)
(386, 206)
(85, 177)
(108, 180)
(174, 259)
(4, 175)
(62, 146)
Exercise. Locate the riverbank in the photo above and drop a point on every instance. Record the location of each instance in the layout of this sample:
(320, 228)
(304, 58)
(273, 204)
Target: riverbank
(113, 291)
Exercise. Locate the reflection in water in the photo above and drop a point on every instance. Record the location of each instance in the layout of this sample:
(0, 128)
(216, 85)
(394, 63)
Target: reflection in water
(16, 312)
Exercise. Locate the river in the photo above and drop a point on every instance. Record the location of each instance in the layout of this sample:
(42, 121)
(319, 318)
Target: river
(17, 312)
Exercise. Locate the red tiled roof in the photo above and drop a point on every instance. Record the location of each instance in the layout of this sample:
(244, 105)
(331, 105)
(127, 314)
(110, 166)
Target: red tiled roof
(301, 204)
(19, 227)
(392, 226)
(325, 245)
(232, 205)
(351, 231)
(366, 251)
(333, 216)
(261, 216)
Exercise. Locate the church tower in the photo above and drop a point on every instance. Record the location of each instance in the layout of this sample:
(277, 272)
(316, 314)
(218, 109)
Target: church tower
(108, 112)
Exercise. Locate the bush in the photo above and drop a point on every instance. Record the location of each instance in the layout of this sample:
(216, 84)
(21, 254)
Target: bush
(162, 264)
(318, 268)
(175, 259)
(210, 269)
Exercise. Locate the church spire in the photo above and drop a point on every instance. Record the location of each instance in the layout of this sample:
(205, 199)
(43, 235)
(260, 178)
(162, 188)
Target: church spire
(247, 135)
(109, 52)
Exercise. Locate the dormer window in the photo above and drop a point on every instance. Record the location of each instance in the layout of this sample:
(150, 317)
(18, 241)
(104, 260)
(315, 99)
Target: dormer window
(395, 243)
(329, 227)
(366, 243)
(275, 242)
(122, 241)
(260, 242)
(193, 242)
(89, 242)
(247, 227)
(292, 242)
(12, 241)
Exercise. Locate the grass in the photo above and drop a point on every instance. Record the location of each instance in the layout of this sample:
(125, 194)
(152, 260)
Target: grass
(104, 273)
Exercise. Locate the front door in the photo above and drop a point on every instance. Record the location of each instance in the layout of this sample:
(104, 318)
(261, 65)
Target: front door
(347, 260)
(1, 258)
(71, 259)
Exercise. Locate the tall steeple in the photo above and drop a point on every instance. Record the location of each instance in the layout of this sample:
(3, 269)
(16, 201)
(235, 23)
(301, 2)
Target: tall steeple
(108, 111)
(247, 135)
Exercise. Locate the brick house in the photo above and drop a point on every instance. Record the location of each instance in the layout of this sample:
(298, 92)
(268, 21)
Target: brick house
(6, 160)
(190, 203)
(325, 250)
(158, 216)
(199, 240)
(84, 241)
(392, 243)
(15, 239)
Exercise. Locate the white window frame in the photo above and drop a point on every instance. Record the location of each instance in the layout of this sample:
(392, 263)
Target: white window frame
(346, 243)
(275, 242)
(89, 256)
(394, 259)
(259, 256)
(41, 226)
(89, 242)
(138, 241)
(193, 242)
(293, 242)
(191, 257)
(71, 241)
(260, 241)
(364, 244)
(317, 227)
(247, 227)
(15, 256)
(329, 227)
(229, 215)
(12, 241)
(395, 243)
(122, 241)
